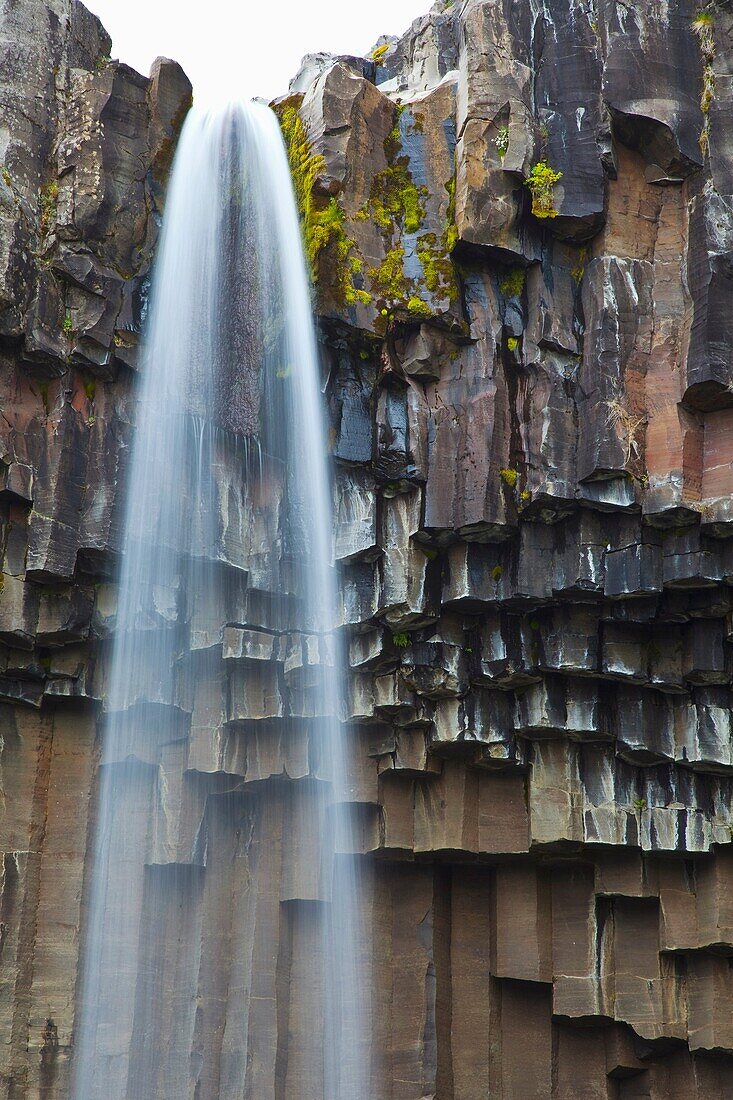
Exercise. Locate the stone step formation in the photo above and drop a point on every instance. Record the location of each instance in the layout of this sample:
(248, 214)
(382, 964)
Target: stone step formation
(519, 227)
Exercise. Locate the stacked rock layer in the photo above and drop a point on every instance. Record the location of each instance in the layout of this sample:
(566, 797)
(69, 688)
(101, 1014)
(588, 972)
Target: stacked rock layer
(519, 222)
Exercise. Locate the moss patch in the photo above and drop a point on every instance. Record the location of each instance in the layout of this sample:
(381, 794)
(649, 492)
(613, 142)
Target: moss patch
(418, 308)
(48, 201)
(321, 217)
(512, 285)
(395, 203)
(388, 280)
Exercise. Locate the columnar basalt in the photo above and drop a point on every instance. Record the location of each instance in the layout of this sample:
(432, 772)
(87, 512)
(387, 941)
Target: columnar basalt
(532, 433)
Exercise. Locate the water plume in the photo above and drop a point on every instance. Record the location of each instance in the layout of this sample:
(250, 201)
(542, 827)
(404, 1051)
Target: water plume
(228, 526)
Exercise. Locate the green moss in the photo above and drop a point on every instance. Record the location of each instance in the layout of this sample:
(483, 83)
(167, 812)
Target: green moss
(496, 572)
(541, 183)
(388, 280)
(512, 285)
(90, 389)
(48, 201)
(401, 640)
(438, 271)
(322, 217)
(393, 141)
(418, 308)
(509, 477)
(395, 202)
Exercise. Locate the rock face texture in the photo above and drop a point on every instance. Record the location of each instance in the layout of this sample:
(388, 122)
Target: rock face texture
(519, 221)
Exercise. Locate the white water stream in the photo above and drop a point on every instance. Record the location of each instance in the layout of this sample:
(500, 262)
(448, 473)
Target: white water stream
(229, 415)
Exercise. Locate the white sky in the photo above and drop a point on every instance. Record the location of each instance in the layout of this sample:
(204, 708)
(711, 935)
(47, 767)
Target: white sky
(251, 48)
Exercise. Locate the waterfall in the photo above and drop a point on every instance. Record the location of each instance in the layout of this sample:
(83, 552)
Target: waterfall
(224, 642)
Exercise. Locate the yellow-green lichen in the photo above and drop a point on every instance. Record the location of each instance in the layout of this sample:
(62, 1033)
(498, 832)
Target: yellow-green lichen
(418, 308)
(438, 271)
(512, 343)
(578, 271)
(379, 52)
(388, 280)
(48, 200)
(395, 202)
(393, 141)
(322, 217)
(512, 285)
(541, 183)
(496, 573)
(509, 477)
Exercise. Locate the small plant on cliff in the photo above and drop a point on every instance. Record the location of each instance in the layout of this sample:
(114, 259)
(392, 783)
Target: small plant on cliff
(639, 803)
(379, 52)
(631, 425)
(509, 477)
(67, 324)
(48, 200)
(401, 640)
(703, 28)
(6, 176)
(541, 183)
(578, 271)
(450, 235)
(501, 141)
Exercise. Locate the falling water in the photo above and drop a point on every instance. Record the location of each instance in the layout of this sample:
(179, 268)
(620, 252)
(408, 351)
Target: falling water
(228, 521)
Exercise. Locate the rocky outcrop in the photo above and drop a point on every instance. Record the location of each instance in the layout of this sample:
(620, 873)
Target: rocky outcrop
(519, 225)
(533, 522)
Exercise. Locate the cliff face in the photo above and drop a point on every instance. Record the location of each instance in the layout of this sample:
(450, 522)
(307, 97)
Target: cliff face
(519, 221)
